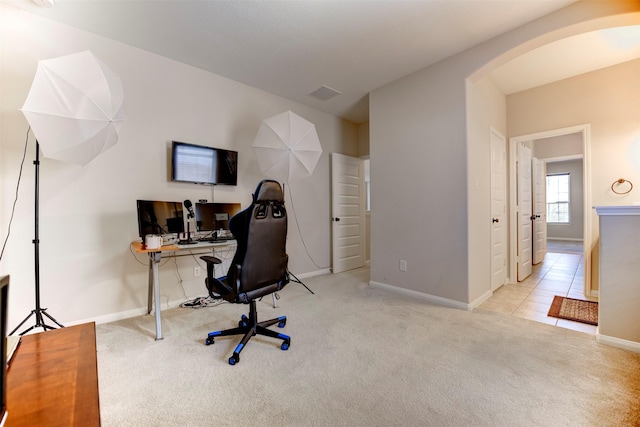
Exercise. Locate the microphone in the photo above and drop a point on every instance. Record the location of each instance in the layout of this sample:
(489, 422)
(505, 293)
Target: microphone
(189, 206)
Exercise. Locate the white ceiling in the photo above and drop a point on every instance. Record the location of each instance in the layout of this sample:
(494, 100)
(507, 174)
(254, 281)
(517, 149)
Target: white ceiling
(292, 48)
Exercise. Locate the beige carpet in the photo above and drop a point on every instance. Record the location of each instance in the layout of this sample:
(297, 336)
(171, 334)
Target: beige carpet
(362, 356)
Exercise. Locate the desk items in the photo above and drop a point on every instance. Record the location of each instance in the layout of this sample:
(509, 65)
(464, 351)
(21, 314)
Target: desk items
(152, 241)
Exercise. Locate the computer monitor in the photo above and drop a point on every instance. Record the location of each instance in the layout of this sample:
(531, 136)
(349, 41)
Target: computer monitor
(157, 217)
(215, 216)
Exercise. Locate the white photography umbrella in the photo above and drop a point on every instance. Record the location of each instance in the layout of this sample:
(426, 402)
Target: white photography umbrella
(287, 147)
(75, 110)
(75, 107)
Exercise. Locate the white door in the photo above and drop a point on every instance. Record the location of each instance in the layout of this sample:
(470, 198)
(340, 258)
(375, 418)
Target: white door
(539, 209)
(525, 233)
(347, 212)
(498, 210)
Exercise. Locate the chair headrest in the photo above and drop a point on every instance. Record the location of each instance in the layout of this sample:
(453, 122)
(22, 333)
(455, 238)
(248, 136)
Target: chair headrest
(268, 191)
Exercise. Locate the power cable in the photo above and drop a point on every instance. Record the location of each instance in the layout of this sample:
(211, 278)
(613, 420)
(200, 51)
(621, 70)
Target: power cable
(15, 200)
(293, 208)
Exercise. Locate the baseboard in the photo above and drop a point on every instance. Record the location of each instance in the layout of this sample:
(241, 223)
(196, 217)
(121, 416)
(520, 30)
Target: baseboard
(482, 298)
(127, 314)
(617, 342)
(565, 239)
(314, 273)
(420, 295)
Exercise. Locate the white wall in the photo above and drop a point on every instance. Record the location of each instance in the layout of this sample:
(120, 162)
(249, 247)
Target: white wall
(423, 170)
(88, 214)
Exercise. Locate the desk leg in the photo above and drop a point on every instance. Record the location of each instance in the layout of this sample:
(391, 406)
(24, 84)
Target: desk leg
(155, 257)
(150, 296)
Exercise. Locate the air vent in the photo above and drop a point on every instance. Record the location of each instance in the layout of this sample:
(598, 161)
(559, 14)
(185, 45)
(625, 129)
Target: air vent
(324, 93)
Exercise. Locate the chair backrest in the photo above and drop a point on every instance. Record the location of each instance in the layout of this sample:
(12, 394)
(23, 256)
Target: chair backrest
(259, 266)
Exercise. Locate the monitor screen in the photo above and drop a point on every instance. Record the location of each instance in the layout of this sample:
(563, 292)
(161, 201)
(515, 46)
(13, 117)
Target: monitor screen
(214, 216)
(155, 217)
(203, 165)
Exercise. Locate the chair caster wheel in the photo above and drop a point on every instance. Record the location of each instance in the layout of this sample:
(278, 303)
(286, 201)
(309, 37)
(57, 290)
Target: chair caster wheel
(233, 360)
(209, 341)
(285, 345)
(282, 323)
(243, 321)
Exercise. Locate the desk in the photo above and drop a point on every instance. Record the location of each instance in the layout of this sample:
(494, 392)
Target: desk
(53, 379)
(154, 259)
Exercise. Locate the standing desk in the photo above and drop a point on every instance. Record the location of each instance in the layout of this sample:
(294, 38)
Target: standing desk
(155, 255)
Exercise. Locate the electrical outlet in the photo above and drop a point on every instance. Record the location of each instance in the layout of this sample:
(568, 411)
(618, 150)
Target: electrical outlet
(403, 265)
(196, 271)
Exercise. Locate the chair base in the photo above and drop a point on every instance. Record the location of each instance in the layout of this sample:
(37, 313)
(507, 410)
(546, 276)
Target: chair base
(249, 327)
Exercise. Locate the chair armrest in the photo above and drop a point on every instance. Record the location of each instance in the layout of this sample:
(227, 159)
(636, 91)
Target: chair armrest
(210, 259)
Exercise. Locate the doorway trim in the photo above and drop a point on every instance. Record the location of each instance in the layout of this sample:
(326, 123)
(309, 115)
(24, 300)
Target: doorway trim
(585, 131)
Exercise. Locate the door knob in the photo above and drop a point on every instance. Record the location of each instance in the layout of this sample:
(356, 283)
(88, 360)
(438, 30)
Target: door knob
(495, 220)
(336, 219)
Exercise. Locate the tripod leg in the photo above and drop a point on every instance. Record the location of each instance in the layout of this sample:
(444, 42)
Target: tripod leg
(51, 318)
(295, 279)
(33, 312)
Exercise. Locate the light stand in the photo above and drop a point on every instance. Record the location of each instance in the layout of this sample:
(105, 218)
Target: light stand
(295, 279)
(38, 312)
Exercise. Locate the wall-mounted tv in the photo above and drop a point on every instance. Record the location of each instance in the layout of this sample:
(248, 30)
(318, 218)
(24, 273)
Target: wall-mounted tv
(199, 164)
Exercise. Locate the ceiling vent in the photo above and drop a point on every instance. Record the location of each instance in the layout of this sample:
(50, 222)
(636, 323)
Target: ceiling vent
(324, 93)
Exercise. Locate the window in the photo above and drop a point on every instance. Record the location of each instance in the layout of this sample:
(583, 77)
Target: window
(558, 198)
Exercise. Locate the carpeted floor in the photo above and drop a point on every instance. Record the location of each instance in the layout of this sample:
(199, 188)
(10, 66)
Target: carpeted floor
(362, 356)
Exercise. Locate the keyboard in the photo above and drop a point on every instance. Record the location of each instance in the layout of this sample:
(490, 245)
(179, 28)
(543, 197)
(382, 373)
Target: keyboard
(217, 240)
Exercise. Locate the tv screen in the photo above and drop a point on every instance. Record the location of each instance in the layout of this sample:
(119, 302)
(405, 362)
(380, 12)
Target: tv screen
(214, 216)
(156, 217)
(198, 164)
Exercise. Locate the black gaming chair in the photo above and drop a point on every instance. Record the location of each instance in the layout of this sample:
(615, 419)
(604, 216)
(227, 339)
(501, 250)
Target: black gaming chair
(259, 266)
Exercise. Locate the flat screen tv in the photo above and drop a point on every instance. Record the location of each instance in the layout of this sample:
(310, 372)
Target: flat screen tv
(157, 217)
(198, 164)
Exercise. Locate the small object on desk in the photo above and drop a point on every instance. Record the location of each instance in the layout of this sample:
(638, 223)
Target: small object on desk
(152, 241)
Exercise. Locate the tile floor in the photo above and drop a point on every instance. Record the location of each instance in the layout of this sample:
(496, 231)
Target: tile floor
(560, 273)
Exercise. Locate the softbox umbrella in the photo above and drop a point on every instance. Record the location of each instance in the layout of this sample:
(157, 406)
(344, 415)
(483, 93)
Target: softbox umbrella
(287, 147)
(75, 107)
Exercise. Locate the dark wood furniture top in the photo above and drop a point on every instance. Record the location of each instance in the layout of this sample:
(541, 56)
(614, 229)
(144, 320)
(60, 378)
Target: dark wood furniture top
(53, 379)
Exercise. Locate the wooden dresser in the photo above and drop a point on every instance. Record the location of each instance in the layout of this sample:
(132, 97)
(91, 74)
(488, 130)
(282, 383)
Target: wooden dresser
(53, 379)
